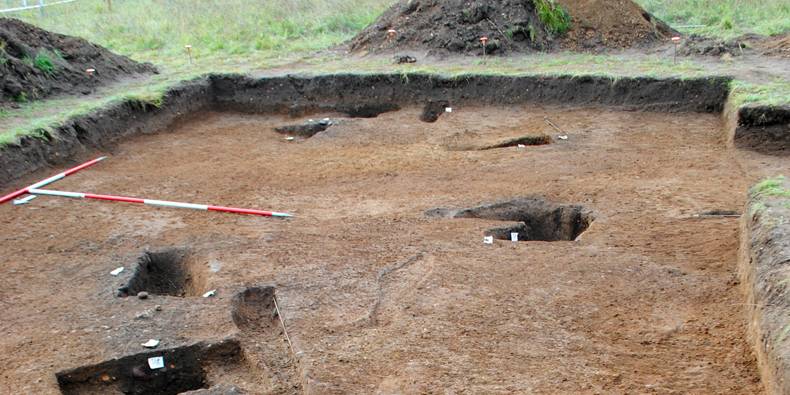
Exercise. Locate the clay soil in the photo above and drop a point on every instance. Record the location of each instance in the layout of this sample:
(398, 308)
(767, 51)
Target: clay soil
(380, 298)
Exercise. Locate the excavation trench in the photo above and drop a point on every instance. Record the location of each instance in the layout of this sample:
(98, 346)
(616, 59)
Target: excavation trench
(260, 331)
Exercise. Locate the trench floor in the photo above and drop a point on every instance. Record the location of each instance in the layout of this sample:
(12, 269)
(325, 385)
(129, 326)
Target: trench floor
(378, 297)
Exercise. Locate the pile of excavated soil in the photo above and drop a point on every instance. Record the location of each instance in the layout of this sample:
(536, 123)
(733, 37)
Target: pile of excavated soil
(511, 26)
(35, 63)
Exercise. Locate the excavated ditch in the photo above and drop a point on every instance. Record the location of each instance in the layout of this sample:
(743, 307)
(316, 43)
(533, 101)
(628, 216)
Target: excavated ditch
(255, 312)
(537, 219)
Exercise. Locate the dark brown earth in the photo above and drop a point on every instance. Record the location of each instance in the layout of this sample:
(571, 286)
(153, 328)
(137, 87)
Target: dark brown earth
(379, 297)
(21, 80)
(774, 46)
(456, 26)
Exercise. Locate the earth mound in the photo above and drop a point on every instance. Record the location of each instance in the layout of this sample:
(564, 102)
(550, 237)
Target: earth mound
(510, 26)
(35, 63)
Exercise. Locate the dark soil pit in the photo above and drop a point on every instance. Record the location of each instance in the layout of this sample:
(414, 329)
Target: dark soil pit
(539, 219)
(169, 272)
(433, 110)
(185, 369)
(523, 140)
(307, 129)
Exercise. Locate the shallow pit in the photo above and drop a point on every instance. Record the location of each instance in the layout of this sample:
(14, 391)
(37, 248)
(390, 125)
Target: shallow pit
(168, 272)
(538, 219)
(253, 309)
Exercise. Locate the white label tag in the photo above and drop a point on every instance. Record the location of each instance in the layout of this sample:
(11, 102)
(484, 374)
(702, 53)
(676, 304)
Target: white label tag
(448, 109)
(117, 271)
(488, 240)
(513, 236)
(156, 363)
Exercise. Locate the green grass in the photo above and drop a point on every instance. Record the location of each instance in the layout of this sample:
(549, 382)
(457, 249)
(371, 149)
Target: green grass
(43, 62)
(553, 16)
(774, 93)
(158, 30)
(723, 18)
(771, 187)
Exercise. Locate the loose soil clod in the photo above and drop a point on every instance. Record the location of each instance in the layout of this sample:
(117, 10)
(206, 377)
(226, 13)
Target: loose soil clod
(539, 219)
(168, 272)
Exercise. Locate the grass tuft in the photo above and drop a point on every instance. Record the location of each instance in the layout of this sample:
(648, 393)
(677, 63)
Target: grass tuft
(43, 62)
(771, 187)
(553, 16)
(723, 18)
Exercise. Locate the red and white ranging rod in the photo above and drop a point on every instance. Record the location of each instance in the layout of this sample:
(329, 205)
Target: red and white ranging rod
(35, 189)
(50, 180)
(160, 203)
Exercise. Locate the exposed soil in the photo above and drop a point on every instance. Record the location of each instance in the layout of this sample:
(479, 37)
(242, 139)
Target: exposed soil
(762, 128)
(377, 297)
(777, 46)
(511, 26)
(765, 252)
(35, 63)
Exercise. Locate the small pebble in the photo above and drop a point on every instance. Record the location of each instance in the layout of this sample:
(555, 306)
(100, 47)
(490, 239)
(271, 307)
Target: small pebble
(142, 295)
(158, 308)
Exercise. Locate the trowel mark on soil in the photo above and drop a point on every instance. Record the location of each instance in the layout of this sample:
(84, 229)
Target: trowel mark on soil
(185, 368)
(255, 313)
(539, 220)
(168, 272)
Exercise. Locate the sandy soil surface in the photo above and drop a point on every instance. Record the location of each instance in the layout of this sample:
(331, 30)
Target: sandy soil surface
(376, 296)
